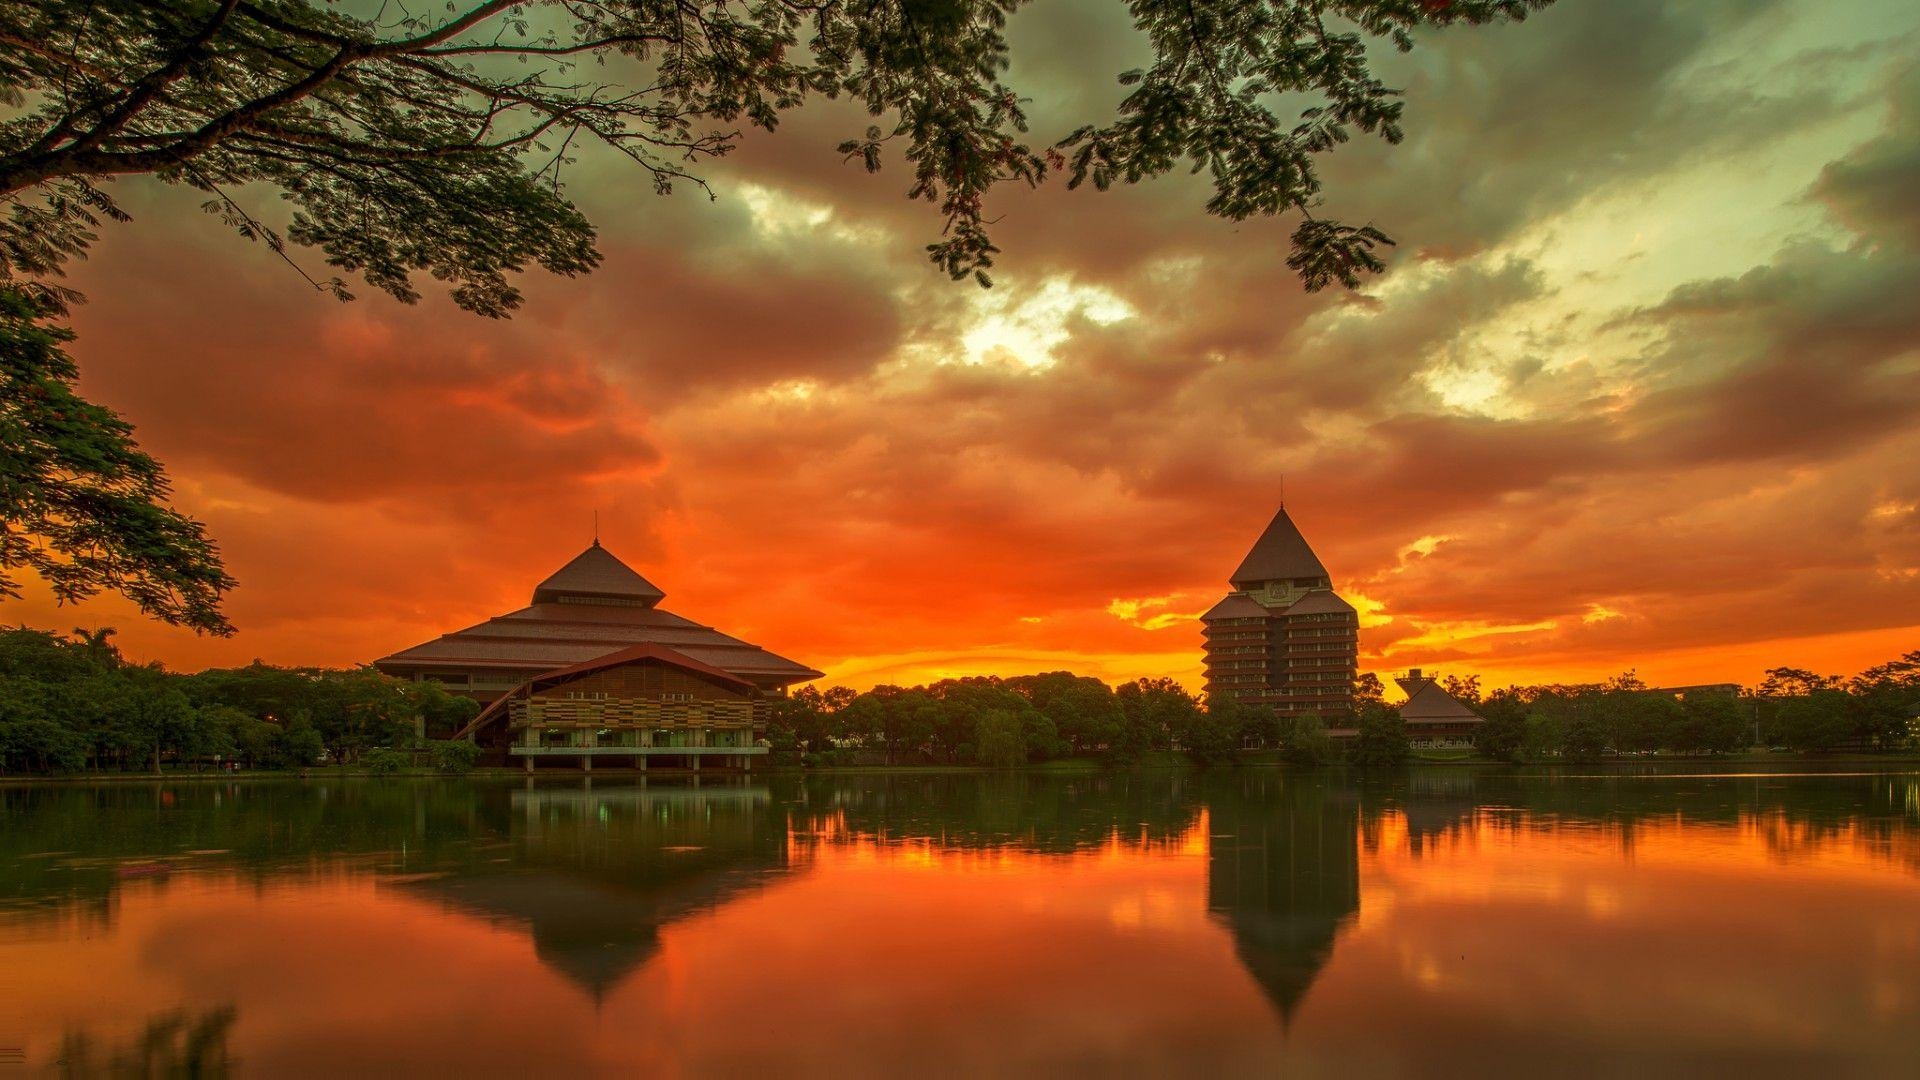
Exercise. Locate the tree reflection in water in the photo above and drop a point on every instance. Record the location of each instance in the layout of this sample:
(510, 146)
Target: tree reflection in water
(178, 1043)
(592, 873)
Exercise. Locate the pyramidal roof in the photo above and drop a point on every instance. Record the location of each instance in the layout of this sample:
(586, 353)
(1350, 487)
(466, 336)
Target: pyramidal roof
(1279, 554)
(1427, 701)
(596, 573)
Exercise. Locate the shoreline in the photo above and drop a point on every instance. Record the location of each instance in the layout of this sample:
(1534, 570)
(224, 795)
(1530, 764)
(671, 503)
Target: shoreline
(1782, 763)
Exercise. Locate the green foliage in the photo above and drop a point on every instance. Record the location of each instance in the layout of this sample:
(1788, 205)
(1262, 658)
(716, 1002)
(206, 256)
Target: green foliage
(1306, 741)
(68, 704)
(999, 740)
(1711, 724)
(1151, 711)
(1583, 737)
(1818, 721)
(1380, 739)
(1212, 734)
(983, 720)
(441, 713)
(438, 139)
(455, 757)
(1503, 737)
(81, 505)
(302, 744)
(384, 761)
(1083, 712)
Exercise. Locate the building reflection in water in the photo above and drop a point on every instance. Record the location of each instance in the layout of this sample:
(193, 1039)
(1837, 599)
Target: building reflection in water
(1283, 875)
(594, 873)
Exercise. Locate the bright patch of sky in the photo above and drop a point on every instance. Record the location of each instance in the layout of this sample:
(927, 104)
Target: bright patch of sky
(1151, 612)
(1438, 635)
(1630, 244)
(1025, 325)
(781, 215)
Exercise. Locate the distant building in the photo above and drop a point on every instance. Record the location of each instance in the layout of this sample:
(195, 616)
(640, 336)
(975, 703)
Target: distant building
(1282, 637)
(1433, 715)
(594, 657)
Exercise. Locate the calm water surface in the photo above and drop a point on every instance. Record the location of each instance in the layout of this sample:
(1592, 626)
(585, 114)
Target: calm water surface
(1237, 923)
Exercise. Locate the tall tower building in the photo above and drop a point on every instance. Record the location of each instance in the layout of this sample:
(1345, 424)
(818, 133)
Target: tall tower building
(1282, 638)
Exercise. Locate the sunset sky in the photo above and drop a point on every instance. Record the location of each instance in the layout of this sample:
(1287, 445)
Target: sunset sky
(1638, 391)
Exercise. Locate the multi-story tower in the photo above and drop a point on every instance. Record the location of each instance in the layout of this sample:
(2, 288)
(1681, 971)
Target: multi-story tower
(1282, 638)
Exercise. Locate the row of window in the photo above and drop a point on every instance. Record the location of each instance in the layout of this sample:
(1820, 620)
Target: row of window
(601, 695)
(553, 738)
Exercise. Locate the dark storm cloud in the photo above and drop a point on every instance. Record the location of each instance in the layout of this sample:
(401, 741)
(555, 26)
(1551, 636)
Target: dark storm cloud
(1876, 189)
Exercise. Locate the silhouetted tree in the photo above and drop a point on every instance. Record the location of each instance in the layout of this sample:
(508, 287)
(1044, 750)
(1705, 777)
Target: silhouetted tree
(81, 505)
(1465, 690)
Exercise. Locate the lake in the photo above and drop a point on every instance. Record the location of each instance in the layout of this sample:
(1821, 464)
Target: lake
(1233, 922)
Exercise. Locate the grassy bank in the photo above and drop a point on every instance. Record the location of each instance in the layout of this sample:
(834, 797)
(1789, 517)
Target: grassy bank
(1159, 760)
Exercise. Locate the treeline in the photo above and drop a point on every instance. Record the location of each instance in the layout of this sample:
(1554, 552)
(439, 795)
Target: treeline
(72, 704)
(1792, 709)
(1026, 719)
(987, 720)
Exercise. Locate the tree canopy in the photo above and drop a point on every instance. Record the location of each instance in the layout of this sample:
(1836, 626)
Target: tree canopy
(80, 504)
(436, 138)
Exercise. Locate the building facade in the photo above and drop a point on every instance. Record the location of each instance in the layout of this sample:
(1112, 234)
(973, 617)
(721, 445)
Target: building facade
(679, 680)
(1283, 638)
(631, 706)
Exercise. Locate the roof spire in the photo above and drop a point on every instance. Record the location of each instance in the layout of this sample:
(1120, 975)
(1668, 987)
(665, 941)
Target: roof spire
(596, 525)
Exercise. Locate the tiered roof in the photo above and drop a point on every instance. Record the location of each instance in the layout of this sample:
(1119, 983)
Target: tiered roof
(1236, 606)
(1320, 602)
(593, 606)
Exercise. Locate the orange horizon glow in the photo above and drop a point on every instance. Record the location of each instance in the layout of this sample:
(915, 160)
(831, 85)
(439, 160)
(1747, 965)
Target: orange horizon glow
(1631, 395)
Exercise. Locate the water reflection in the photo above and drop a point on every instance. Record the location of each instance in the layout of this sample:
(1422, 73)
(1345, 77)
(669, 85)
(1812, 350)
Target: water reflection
(1283, 874)
(178, 1043)
(593, 874)
(1217, 923)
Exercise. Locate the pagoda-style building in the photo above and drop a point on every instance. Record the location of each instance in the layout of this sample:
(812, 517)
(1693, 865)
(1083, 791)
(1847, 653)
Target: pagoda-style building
(1433, 715)
(593, 606)
(1282, 638)
(594, 667)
